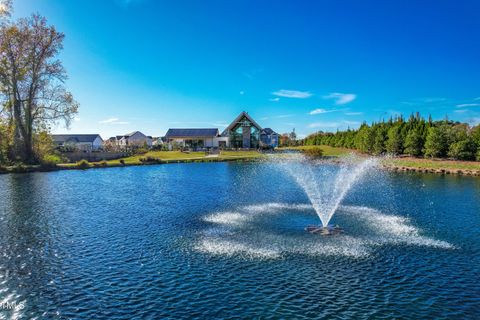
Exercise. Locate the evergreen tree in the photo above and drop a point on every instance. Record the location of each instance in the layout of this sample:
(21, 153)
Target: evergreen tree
(436, 144)
(463, 149)
(380, 138)
(395, 141)
(414, 143)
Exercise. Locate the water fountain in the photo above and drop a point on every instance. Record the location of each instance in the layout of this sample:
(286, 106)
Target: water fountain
(326, 186)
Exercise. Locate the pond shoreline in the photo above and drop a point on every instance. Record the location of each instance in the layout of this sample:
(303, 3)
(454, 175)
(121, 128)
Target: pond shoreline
(60, 167)
(386, 165)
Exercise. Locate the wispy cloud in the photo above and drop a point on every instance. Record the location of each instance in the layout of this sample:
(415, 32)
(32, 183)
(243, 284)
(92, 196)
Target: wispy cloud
(334, 124)
(280, 116)
(274, 99)
(252, 73)
(461, 110)
(341, 98)
(422, 101)
(463, 105)
(477, 98)
(320, 111)
(112, 121)
(292, 94)
(353, 113)
(324, 125)
(242, 93)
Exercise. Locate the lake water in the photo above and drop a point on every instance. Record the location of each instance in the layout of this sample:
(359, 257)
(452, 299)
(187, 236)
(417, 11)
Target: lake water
(223, 240)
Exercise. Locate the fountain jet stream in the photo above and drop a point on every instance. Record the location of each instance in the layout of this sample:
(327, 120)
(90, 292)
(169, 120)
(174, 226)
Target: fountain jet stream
(324, 186)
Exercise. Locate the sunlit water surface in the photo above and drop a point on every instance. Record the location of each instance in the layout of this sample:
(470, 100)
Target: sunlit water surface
(224, 240)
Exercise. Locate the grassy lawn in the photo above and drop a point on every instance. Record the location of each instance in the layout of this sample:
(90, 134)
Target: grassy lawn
(432, 164)
(172, 156)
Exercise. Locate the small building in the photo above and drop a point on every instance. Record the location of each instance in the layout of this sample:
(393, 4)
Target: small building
(81, 142)
(194, 138)
(134, 139)
(268, 138)
(242, 133)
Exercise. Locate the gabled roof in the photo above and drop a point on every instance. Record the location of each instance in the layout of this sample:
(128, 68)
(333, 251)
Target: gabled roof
(131, 133)
(75, 138)
(240, 116)
(128, 135)
(267, 131)
(190, 132)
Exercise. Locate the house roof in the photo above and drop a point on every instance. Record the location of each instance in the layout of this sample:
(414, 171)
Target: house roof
(75, 138)
(237, 119)
(267, 131)
(131, 134)
(190, 132)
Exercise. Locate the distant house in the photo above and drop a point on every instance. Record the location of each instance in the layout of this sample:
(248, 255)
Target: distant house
(83, 142)
(194, 138)
(243, 132)
(268, 138)
(132, 140)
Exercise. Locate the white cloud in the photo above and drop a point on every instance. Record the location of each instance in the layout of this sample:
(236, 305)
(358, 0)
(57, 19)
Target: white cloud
(320, 111)
(76, 119)
(324, 125)
(477, 98)
(461, 111)
(351, 123)
(463, 105)
(292, 94)
(112, 121)
(341, 98)
(337, 125)
(353, 113)
(284, 116)
(274, 99)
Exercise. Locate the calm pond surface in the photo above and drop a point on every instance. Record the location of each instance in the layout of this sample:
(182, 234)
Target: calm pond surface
(224, 240)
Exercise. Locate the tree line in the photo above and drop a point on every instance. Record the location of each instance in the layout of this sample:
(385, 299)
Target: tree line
(415, 136)
(33, 96)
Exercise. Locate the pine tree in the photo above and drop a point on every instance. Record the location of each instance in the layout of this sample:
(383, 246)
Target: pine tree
(414, 143)
(436, 144)
(395, 141)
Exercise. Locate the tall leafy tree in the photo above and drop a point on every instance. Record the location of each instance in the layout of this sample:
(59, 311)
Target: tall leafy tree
(32, 81)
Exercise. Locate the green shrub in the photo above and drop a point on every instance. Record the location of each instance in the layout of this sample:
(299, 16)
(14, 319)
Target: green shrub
(122, 162)
(50, 161)
(314, 152)
(83, 164)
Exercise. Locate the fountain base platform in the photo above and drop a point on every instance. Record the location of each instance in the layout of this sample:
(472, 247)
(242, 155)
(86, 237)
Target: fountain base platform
(324, 231)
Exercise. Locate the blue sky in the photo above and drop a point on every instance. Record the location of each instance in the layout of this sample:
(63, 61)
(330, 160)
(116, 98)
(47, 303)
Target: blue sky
(310, 65)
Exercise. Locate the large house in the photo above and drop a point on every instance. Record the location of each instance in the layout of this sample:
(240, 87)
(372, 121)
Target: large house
(134, 139)
(82, 142)
(243, 132)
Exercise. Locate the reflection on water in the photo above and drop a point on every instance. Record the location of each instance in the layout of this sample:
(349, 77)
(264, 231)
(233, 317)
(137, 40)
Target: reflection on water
(224, 240)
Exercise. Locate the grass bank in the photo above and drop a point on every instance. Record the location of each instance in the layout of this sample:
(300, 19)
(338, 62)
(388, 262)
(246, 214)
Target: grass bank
(438, 166)
(164, 157)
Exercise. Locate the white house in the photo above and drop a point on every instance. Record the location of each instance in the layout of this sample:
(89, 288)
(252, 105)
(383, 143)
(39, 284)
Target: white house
(82, 142)
(133, 139)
